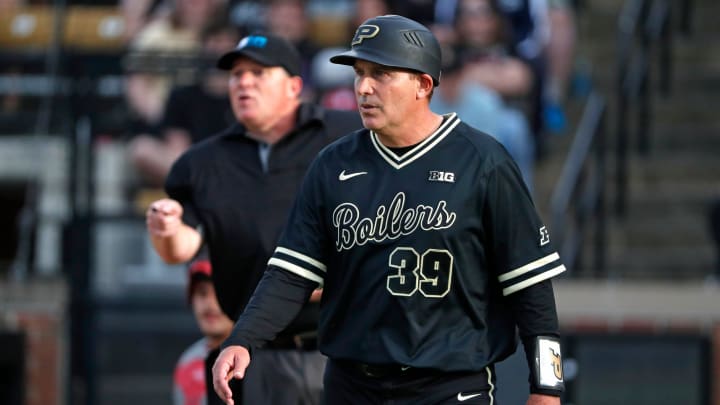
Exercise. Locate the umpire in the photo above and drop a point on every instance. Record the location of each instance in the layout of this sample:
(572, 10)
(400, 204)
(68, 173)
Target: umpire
(233, 192)
(427, 244)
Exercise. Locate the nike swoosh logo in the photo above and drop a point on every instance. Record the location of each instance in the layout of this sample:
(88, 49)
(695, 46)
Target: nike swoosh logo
(462, 397)
(343, 176)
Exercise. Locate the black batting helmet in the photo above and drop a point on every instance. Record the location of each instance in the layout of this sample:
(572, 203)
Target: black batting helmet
(395, 41)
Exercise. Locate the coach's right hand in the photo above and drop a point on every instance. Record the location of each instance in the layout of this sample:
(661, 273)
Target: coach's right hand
(231, 363)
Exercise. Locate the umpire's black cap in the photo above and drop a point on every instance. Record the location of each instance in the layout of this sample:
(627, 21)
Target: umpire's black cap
(266, 49)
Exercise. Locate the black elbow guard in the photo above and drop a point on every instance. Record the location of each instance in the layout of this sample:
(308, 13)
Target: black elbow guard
(546, 369)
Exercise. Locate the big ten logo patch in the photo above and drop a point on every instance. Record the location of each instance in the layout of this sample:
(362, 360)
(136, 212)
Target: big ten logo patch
(365, 32)
(544, 236)
(446, 177)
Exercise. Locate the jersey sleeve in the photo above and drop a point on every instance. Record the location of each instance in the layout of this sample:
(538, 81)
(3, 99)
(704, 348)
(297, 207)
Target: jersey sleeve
(277, 300)
(178, 186)
(301, 249)
(520, 248)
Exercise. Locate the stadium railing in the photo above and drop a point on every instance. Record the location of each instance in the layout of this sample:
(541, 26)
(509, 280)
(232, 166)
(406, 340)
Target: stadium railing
(644, 28)
(578, 199)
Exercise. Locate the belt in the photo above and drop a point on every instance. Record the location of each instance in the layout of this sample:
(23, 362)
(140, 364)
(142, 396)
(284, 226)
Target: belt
(376, 370)
(301, 341)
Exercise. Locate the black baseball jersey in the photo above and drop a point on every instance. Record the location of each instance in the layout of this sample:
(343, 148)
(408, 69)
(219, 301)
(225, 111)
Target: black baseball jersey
(416, 252)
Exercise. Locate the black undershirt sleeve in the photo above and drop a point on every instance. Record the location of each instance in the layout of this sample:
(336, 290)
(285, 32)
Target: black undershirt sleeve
(277, 300)
(535, 314)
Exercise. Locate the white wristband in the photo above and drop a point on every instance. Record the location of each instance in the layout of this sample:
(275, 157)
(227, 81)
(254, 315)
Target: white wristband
(548, 363)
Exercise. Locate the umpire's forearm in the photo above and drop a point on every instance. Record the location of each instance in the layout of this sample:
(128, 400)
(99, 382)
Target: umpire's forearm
(178, 248)
(277, 300)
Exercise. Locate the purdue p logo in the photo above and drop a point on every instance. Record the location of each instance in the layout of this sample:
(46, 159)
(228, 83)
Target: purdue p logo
(365, 32)
(556, 362)
(548, 363)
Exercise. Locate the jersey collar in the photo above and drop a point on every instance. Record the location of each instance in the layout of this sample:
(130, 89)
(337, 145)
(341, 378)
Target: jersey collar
(450, 121)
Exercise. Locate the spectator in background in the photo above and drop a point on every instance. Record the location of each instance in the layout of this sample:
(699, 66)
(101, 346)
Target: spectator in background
(435, 14)
(366, 9)
(422, 11)
(542, 34)
(136, 14)
(189, 378)
(333, 83)
(192, 112)
(10, 5)
(483, 109)
(245, 13)
(560, 55)
(482, 35)
(287, 19)
(175, 33)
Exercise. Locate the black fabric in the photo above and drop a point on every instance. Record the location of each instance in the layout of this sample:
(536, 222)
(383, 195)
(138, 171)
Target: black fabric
(241, 209)
(348, 383)
(278, 298)
(534, 309)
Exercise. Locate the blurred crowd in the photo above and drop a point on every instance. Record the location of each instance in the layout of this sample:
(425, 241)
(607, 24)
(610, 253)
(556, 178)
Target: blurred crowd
(506, 65)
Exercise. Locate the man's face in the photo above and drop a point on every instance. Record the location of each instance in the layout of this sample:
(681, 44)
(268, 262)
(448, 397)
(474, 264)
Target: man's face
(260, 94)
(210, 318)
(385, 95)
(478, 24)
(287, 19)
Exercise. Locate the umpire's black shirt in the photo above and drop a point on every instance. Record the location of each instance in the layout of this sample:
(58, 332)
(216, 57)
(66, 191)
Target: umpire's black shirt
(240, 208)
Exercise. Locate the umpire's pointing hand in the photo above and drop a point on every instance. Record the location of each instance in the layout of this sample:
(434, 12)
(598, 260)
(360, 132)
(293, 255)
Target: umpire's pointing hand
(231, 363)
(164, 217)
